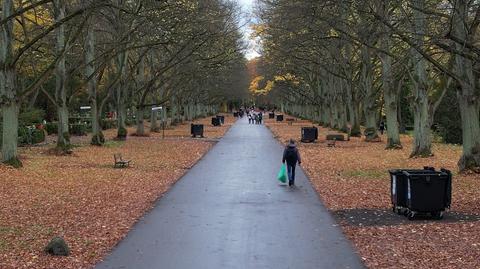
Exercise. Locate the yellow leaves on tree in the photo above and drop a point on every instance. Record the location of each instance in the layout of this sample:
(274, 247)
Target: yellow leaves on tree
(256, 84)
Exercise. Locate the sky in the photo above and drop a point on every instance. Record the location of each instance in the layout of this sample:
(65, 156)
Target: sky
(247, 6)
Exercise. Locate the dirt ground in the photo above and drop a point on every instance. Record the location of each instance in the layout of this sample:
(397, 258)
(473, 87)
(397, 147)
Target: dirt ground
(353, 181)
(82, 198)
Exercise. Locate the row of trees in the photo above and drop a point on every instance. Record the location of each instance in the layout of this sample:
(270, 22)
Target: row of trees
(117, 53)
(346, 62)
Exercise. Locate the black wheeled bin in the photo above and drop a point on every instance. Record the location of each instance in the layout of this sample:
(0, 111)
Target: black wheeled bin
(279, 117)
(216, 121)
(221, 118)
(428, 193)
(196, 130)
(398, 187)
(309, 134)
(271, 115)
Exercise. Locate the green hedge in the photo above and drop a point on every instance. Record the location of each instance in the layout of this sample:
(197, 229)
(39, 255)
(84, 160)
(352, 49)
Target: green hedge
(51, 128)
(27, 136)
(108, 124)
(31, 117)
(78, 129)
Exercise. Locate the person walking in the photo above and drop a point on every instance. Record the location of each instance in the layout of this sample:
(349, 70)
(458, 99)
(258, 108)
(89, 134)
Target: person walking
(291, 156)
(382, 127)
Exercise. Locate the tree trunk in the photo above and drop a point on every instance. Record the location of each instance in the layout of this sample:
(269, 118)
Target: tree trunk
(393, 135)
(469, 108)
(97, 136)
(371, 134)
(10, 134)
(8, 99)
(422, 136)
(422, 144)
(63, 143)
(63, 135)
(121, 117)
(467, 94)
(390, 93)
(369, 102)
(140, 121)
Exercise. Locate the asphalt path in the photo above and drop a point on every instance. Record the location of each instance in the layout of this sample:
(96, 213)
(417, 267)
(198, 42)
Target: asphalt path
(229, 211)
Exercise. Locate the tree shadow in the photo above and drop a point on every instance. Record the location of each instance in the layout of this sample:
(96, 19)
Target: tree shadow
(365, 217)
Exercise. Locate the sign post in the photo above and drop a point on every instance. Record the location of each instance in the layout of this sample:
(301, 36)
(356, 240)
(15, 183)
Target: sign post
(163, 120)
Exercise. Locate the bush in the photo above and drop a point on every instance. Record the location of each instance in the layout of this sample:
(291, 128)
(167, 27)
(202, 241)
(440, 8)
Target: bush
(78, 129)
(38, 136)
(27, 136)
(122, 134)
(51, 128)
(24, 137)
(98, 139)
(129, 122)
(108, 124)
(30, 136)
(448, 119)
(31, 117)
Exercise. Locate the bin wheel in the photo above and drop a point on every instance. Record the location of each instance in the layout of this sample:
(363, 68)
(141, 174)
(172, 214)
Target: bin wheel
(399, 211)
(411, 215)
(437, 215)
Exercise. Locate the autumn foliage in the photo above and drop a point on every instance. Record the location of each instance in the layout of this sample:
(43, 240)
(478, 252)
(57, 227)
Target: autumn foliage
(82, 198)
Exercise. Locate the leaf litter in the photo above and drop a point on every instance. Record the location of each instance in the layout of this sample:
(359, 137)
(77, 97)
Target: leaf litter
(83, 199)
(353, 182)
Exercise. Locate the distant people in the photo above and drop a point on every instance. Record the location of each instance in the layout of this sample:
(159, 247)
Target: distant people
(291, 156)
(382, 127)
(260, 118)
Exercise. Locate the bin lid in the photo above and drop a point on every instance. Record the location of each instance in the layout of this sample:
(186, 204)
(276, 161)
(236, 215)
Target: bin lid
(410, 173)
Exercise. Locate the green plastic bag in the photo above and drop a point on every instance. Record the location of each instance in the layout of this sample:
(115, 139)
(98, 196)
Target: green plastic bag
(282, 175)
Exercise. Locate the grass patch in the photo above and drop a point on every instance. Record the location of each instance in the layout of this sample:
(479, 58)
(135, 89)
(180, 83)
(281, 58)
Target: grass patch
(366, 174)
(113, 144)
(10, 230)
(3, 244)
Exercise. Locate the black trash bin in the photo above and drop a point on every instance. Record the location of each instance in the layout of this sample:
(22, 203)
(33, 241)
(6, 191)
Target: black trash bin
(279, 117)
(235, 114)
(196, 130)
(271, 115)
(221, 118)
(309, 134)
(428, 193)
(216, 121)
(398, 187)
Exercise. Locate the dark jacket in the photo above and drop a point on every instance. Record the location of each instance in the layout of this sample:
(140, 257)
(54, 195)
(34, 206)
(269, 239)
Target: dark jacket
(291, 155)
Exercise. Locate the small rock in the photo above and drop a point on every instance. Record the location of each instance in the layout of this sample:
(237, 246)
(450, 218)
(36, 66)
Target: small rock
(57, 247)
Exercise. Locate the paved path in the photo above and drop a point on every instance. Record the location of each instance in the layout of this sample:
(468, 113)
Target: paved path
(229, 211)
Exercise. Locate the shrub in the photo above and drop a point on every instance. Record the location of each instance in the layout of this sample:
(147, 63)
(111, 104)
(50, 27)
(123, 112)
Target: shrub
(31, 117)
(30, 136)
(108, 124)
(98, 140)
(38, 136)
(122, 134)
(448, 119)
(78, 129)
(51, 128)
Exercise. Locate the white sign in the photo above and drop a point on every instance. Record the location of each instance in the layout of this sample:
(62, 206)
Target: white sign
(85, 107)
(157, 108)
